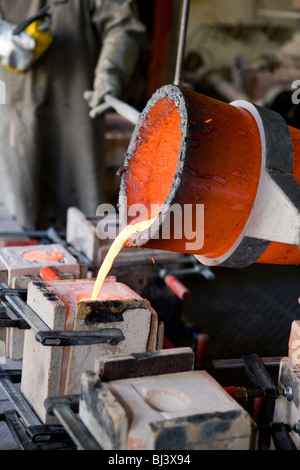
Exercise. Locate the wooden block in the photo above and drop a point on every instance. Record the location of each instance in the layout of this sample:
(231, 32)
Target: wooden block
(152, 339)
(181, 411)
(160, 335)
(18, 272)
(144, 364)
(212, 431)
(134, 320)
(286, 411)
(15, 344)
(294, 342)
(17, 264)
(81, 233)
(41, 369)
(21, 282)
(57, 370)
(21, 271)
(15, 337)
(119, 307)
(3, 273)
(98, 404)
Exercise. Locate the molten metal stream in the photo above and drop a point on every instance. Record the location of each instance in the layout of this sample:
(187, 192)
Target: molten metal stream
(115, 248)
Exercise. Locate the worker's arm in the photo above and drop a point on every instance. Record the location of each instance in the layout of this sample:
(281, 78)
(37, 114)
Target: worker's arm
(123, 39)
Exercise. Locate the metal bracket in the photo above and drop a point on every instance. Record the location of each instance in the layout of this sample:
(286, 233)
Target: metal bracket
(18, 430)
(65, 408)
(281, 437)
(259, 376)
(26, 428)
(14, 375)
(257, 372)
(79, 338)
(47, 433)
(12, 300)
(28, 416)
(39, 437)
(9, 317)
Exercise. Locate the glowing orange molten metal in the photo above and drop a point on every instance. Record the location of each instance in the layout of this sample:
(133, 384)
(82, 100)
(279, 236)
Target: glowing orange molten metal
(43, 255)
(116, 246)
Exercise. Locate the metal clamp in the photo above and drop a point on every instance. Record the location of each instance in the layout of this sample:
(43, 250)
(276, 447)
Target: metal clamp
(65, 408)
(37, 437)
(79, 338)
(48, 337)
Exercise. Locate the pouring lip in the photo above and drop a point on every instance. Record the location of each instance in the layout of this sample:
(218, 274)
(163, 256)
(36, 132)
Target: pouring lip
(175, 94)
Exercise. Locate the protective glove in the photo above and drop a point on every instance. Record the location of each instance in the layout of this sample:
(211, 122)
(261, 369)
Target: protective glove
(115, 66)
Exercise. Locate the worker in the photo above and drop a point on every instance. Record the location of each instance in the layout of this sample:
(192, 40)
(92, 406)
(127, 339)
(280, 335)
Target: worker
(52, 153)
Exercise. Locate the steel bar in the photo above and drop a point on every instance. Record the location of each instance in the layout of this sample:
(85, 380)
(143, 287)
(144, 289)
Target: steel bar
(98, 110)
(18, 431)
(47, 433)
(33, 234)
(75, 428)
(281, 437)
(257, 372)
(48, 337)
(180, 259)
(71, 401)
(14, 375)
(238, 363)
(22, 421)
(55, 237)
(181, 42)
(23, 309)
(21, 406)
(66, 408)
(79, 338)
(8, 318)
(196, 269)
(121, 107)
(33, 437)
